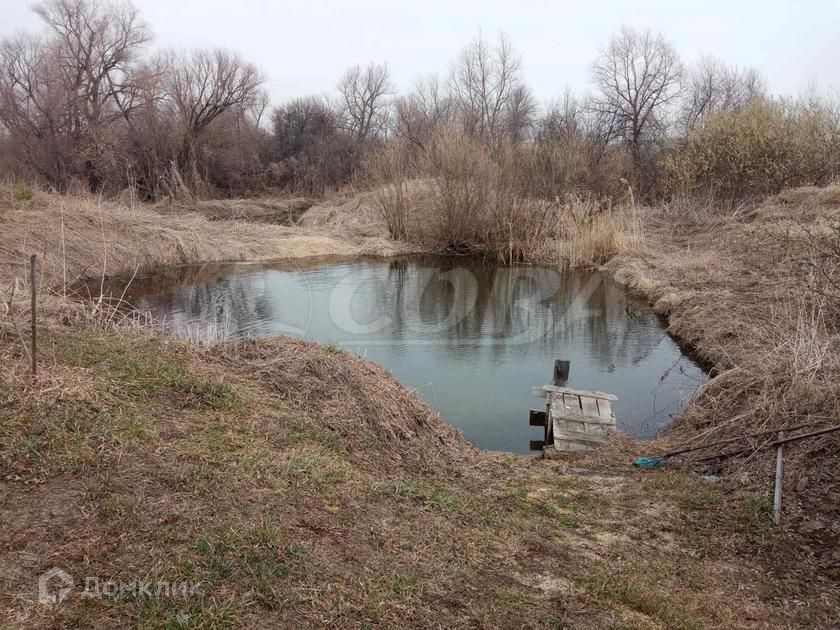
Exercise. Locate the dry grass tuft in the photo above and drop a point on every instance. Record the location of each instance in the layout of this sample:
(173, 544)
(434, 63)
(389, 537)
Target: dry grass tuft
(592, 235)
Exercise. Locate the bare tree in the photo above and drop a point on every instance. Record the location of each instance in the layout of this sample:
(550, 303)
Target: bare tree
(64, 91)
(98, 44)
(711, 86)
(488, 91)
(364, 100)
(520, 113)
(638, 76)
(310, 150)
(418, 115)
(205, 84)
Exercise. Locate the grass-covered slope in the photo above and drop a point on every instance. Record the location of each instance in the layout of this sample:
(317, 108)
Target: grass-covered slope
(301, 487)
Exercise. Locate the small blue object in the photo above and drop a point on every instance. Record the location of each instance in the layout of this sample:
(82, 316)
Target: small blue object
(649, 462)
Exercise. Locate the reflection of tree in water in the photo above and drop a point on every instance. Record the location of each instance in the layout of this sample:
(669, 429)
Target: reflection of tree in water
(499, 306)
(462, 302)
(238, 302)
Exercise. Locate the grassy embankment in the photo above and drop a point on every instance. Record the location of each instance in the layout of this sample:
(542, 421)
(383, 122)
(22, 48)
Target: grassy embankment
(303, 486)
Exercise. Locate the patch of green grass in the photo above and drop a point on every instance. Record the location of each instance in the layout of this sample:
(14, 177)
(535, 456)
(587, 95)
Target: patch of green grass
(31, 445)
(404, 583)
(257, 558)
(265, 565)
(152, 375)
(515, 498)
(514, 601)
(755, 513)
(130, 427)
(22, 192)
(306, 433)
(565, 503)
(403, 489)
(210, 393)
(303, 463)
(626, 593)
(630, 589)
(195, 613)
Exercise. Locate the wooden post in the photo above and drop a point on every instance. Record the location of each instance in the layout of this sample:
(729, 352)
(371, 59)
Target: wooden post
(33, 320)
(561, 372)
(777, 492)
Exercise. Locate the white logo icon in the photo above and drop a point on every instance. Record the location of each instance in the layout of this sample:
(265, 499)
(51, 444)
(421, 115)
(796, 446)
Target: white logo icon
(54, 586)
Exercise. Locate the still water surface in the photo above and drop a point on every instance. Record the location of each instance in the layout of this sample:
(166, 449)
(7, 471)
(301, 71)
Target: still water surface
(471, 338)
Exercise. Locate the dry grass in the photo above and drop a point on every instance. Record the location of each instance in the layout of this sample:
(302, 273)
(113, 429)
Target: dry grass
(260, 210)
(303, 487)
(742, 290)
(592, 235)
(77, 237)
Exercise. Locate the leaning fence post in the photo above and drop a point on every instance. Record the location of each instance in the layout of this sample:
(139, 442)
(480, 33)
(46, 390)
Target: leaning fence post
(777, 492)
(33, 320)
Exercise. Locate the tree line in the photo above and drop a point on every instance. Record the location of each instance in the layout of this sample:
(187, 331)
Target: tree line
(86, 105)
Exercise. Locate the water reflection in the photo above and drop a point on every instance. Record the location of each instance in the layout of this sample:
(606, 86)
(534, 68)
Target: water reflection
(472, 338)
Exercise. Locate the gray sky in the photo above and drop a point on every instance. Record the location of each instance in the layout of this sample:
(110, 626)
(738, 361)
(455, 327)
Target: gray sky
(303, 46)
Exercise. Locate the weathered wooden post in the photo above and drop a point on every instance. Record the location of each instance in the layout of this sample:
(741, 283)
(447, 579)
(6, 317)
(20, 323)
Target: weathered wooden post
(780, 469)
(539, 418)
(561, 372)
(32, 316)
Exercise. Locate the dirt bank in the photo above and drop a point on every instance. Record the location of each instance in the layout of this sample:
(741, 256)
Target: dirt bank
(79, 237)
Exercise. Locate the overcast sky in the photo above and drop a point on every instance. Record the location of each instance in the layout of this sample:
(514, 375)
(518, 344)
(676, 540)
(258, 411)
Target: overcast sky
(303, 45)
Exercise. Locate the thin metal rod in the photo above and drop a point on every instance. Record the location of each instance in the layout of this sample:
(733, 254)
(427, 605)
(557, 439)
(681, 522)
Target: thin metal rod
(33, 322)
(780, 471)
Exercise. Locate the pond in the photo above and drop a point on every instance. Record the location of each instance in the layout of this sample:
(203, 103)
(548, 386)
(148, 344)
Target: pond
(471, 338)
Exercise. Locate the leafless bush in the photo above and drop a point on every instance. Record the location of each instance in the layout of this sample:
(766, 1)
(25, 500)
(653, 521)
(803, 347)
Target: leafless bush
(824, 261)
(712, 87)
(389, 171)
(572, 155)
(481, 200)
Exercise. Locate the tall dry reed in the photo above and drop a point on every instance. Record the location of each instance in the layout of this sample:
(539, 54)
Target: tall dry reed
(463, 195)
